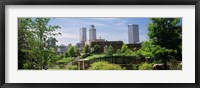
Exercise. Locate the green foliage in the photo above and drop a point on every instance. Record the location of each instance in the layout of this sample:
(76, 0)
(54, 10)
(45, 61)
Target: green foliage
(85, 55)
(128, 52)
(118, 51)
(96, 49)
(174, 65)
(146, 66)
(110, 51)
(72, 67)
(102, 65)
(62, 66)
(124, 48)
(86, 49)
(135, 66)
(72, 51)
(95, 56)
(33, 38)
(66, 54)
(149, 51)
(167, 33)
(65, 60)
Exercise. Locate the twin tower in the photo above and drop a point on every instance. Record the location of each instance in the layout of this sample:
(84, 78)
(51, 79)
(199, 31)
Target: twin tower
(92, 34)
(133, 34)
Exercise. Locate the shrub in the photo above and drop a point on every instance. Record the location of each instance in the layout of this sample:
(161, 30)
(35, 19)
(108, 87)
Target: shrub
(72, 67)
(174, 65)
(109, 51)
(65, 60)
(85, 55)
(135, 66)
(146, 66)
(61, 66)
(103, 65)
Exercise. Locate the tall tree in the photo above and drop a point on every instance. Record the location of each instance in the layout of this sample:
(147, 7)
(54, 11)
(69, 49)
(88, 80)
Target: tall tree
(166, 33)
(110, 51)
(124, 48)
(96, 49)
(86, 49)
(72, 51)
(38, 35)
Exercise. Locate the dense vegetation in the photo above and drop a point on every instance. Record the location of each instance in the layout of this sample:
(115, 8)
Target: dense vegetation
(37, 49)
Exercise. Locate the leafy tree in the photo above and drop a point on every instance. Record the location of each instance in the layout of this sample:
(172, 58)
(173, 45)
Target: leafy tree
(72, 51)
(154, 52)
(124, 48)
(110, 51)
(167, 33)
(129, 52)
(66, 54)
(96, 49)
(86, 49)
(36, 34)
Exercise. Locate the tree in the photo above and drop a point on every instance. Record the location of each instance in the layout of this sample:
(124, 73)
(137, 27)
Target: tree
(124, 48)
(154, 52)
(37, 33)
(72, 51)
(96, 49)
(86, 49)
(24, 24)
(167, 33)
(128, 52)
(110, 51)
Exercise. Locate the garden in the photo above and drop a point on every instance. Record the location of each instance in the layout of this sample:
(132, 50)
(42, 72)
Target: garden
(162, 50)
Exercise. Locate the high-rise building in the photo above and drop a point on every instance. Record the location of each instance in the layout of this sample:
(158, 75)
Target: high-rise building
(83, 35)
(92, 33)
(133, 33)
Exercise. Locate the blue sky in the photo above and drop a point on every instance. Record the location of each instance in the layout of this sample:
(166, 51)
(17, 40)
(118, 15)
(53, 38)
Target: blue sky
(112, 29)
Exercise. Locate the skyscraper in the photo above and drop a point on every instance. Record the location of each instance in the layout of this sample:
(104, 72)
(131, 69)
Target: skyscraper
(92, 33)
(133, 33)
(83, 35)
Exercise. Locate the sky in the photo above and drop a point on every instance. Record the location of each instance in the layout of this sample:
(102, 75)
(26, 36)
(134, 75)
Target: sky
(111, 29)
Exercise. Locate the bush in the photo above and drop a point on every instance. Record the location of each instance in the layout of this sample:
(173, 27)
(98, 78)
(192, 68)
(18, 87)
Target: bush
(85, 55)
(102, 65)
(61, 66)
(146, 66)
(72, 67)
(109, 51)
(174, 65)
(135, 66)
(65, 60)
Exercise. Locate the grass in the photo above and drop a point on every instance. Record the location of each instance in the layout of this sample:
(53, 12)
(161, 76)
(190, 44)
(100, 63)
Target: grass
(95, 56)
(66, 60)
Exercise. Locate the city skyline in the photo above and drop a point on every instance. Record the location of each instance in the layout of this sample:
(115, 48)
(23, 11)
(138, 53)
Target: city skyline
(111, 29)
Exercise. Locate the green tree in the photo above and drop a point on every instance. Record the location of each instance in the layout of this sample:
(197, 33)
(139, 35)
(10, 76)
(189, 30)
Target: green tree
(124, 48)
(37, 34)
(24, 24)
(96, 49)
(86, 49)
(110, 51)
(129, 52)
(154, 52)
(167, 33)
(72, 51)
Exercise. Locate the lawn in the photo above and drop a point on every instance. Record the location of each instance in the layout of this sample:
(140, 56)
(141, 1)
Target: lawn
(66, 60)
(95, 56)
